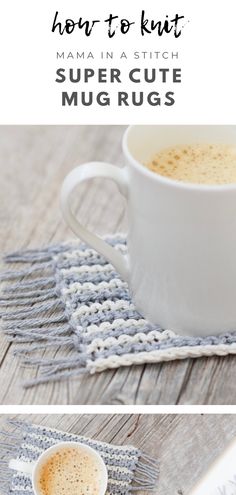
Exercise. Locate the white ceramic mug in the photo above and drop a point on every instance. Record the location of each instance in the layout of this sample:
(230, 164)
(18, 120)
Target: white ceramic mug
(181, 263)
(33, 468)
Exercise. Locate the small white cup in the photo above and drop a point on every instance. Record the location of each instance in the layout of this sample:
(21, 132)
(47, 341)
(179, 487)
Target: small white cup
(33, 468)
(181, 264)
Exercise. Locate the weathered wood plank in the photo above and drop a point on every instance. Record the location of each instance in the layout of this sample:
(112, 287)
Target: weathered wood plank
(33, 163)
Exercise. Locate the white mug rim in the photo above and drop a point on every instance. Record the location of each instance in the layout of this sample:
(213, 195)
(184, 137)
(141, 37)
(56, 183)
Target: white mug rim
(166, 180)
(59, 446)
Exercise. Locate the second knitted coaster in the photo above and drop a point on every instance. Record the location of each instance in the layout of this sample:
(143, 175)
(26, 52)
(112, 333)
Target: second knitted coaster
(129, 469)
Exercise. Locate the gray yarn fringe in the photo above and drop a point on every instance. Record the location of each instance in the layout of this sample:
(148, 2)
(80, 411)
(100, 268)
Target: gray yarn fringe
(41, 320)
(39, 317)
(9, 447)
(145, 468)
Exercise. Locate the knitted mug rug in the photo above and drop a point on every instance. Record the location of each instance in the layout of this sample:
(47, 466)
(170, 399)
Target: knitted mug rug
(70, 297)
(129, 469)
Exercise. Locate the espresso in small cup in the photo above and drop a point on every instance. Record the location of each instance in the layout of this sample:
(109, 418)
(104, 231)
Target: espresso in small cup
(196, 163)
(70, 470)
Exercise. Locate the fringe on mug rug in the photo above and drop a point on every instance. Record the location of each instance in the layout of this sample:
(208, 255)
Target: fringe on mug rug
(129, 469)
(69, 300)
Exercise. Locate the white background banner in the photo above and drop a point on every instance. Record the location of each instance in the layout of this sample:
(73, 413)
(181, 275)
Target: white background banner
(193, 72)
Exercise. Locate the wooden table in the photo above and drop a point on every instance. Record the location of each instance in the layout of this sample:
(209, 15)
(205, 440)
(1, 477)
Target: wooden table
(184, 444)
(33, 163)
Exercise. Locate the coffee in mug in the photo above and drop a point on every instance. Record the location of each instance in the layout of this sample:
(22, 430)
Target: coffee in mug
(196, 163)
(181, 246)
(67, 467)
(70, 470)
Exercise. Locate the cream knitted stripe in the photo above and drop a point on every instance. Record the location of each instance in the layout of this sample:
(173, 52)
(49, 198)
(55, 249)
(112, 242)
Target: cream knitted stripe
(153, 336)
(106, 306)
(82, 287)
(84, 253)
(87, 269)
(158, 356)
(106, 326)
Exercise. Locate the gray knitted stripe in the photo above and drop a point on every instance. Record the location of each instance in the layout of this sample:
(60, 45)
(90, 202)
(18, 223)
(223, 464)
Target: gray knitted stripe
(69, 296)
(129, 469)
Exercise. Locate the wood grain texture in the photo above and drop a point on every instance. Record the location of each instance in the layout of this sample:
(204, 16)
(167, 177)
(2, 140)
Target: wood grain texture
(33, 162)
(185, 445)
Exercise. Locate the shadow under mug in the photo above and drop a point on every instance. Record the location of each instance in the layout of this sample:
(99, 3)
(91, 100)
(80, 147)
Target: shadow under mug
(33, 468)
(181, 262)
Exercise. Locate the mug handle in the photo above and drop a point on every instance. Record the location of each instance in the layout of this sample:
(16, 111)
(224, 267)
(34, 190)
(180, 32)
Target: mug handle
(79, 175)
(21, 466)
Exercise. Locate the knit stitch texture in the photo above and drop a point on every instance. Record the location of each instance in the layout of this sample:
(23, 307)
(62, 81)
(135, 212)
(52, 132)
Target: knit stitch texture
(70, 297)
(129, 469)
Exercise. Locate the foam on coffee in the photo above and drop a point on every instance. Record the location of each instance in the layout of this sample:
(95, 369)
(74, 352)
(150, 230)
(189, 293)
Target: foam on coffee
(196, 163)
(70, 470)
